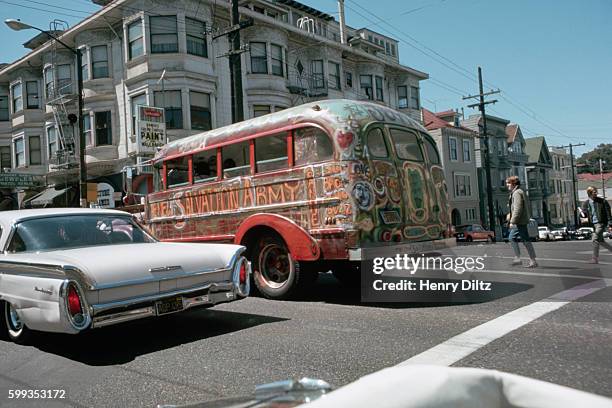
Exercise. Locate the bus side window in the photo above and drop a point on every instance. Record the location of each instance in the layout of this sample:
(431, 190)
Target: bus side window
(236, 160)
(205, 166)
(177, 171)
(406, 144)
(311, 145)
(432, 151)
(376, 144)
(271, 152)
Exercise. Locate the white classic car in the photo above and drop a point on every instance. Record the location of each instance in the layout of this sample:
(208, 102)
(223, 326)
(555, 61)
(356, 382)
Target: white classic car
(68, 270)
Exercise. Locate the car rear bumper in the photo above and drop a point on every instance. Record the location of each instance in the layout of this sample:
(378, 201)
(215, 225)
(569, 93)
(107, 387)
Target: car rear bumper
(209, 294)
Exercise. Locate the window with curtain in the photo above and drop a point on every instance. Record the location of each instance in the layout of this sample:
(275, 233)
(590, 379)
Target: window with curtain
(171, 101)
(414, 98)
(52, 141)
(19, 152)
(17, 96)
(35, 150)
(366, 85)
(199, 108)
(196, 37)
(402, 96)
(84, 63)
(259, 58)
(334, 75)
(260, 110)
(64, 79)
(318, 76)
(87, 129)
(99, 62)
(104, 135)
(48, 74)
(277, 60)
(5, 157)
(379, 89)
(4, 108)
(32, 95)
(164, 36)
(135, 39)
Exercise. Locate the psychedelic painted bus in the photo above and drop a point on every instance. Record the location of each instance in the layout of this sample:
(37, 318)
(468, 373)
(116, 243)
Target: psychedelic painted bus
(307, 189)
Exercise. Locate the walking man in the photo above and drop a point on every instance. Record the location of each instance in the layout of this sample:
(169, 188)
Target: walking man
(597, 211)
(518, 218)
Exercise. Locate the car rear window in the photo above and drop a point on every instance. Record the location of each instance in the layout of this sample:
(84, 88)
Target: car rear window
(64, 232)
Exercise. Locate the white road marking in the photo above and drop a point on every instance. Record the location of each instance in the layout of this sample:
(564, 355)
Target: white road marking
(601, 252)
(466, 343)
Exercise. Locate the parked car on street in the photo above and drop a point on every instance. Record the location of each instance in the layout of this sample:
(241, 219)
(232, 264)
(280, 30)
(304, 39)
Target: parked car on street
(69, 270)
(560, 234)
(532, 230)
(544, 233)
(584, 233)
(473, 232)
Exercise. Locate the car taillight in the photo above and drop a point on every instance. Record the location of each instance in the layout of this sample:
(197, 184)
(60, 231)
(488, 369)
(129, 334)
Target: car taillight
(243, 273)
(74, 301)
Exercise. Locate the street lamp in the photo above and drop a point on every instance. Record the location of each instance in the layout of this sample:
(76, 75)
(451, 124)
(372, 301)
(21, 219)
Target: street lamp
(18, 25)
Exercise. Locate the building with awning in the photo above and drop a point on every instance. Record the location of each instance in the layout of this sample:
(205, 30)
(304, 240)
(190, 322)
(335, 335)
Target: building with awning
(51, 197)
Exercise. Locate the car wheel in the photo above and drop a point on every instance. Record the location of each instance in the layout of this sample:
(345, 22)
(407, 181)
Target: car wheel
(15, 329)
(276, 274)
(490, 239)
(469, 239)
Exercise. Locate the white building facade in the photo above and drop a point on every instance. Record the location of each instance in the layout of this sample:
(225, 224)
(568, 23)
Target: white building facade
(294, 56)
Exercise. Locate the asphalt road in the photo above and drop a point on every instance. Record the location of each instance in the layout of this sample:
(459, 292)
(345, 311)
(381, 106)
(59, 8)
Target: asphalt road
(227, 350)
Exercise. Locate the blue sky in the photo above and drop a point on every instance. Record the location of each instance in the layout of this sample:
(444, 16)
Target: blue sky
(552, 60)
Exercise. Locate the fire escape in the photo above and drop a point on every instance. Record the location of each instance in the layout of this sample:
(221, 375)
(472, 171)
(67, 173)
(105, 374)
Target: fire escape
(61, 93)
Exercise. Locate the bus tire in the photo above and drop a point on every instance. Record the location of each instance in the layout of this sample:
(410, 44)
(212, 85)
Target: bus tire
(276, 274)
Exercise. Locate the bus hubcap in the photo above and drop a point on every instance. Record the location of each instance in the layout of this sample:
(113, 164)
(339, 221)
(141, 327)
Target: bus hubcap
(275, 265)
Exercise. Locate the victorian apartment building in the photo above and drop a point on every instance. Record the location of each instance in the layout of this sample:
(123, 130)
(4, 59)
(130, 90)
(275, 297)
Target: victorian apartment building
(499, 163)
(561, 188)
(295, 54)
(456, 146)
(538, 167)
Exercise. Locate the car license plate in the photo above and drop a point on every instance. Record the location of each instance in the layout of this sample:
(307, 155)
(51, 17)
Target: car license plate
(170, 305)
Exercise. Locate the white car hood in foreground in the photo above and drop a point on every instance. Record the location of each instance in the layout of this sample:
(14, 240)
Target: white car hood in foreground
(420, 386)
(110, 264)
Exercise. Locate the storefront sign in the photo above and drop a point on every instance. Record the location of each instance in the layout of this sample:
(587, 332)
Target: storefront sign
(106, 197)
(150, 129)
(13, 180)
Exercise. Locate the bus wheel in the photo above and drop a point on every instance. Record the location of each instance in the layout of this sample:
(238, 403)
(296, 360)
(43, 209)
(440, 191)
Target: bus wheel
(276, 274)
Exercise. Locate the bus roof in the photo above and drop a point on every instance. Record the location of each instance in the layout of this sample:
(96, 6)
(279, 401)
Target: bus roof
(330, 114)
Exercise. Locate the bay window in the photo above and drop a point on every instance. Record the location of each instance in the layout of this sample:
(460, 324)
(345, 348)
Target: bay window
(164, 35)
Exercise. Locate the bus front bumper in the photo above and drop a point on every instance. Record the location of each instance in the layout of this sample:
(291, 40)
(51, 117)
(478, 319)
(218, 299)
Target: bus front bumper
(411, 248)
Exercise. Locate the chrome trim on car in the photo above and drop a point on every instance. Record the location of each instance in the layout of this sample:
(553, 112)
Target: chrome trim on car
(121, 317)
(50, 271)
(242, 290)
(63, 293)
(165, 268)
(217, 293)
(216, 287)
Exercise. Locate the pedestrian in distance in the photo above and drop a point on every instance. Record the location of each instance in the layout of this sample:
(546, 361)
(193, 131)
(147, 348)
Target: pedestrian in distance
(518, 219)
(596, 210)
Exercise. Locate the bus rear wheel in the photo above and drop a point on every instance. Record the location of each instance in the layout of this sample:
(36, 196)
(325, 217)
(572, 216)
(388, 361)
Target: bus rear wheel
(276, 274)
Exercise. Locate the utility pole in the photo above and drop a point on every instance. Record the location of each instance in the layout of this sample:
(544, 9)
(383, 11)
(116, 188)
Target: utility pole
(487, 161)
(235, 65)
(603, 182)
(571, 147)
